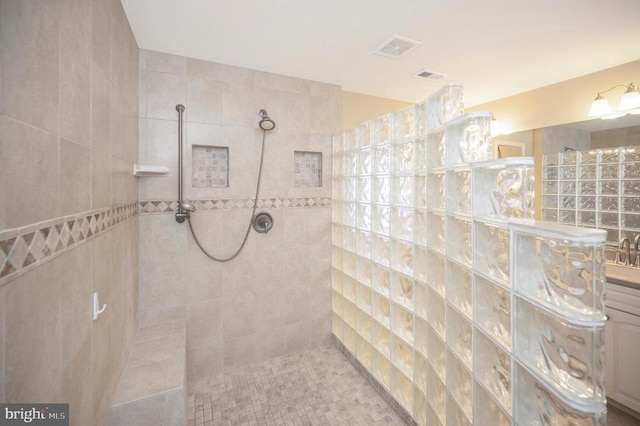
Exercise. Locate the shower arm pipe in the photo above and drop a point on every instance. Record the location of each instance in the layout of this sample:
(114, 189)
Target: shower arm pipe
(180, 215)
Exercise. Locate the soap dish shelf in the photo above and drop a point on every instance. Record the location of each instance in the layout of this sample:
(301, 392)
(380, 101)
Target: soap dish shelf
(142, 170)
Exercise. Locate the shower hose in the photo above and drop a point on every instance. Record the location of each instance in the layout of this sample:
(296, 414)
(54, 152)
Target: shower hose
(255, 206)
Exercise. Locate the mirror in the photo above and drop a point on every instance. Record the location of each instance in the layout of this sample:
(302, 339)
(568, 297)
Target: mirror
(577, 185)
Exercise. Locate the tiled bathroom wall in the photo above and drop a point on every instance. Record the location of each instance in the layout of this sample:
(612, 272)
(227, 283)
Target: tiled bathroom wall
(274, 298)
(68, 216)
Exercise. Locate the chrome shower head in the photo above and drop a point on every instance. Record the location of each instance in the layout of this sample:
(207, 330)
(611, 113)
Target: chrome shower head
(266, 123)
(187, 206)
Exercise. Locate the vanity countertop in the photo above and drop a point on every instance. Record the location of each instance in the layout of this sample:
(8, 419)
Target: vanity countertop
(626, 276)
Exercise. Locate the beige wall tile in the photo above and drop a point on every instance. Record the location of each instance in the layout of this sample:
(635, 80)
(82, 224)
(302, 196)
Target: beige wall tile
(142, 143)
(124, 188)
(162, 142)
(100, 179)
(161, 315)
(164, 92)
(30, 173)
(254, 348)
(141, 380)
(100, 110)
(208, 226)
(165, 286)
(291, 111)
(205, 99)
(282, 83)
(205, 361)
(144, 412)
(204, 324)
(297, 337)
(75, 177)
(75, 70)
(155, 331)
(320, 332)
(174, 409)
(159, 187)
(295, 303)
(166, 63)
(238, 107)
(73, 271)
(31, 307)
(162, 239)
(101, 35)
(76, 376)
(325, 115)
(29, 31)
(124, 54)
(142, 91)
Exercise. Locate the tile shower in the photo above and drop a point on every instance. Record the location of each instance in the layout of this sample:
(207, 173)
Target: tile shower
(444, 290)
(274, 298)
(74, 223)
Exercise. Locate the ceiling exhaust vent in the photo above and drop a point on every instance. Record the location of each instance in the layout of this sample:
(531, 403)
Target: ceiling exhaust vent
(396, 46)
(430, 75)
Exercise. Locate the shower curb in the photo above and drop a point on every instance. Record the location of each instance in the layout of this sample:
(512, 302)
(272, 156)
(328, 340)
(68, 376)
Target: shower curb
(384, 394)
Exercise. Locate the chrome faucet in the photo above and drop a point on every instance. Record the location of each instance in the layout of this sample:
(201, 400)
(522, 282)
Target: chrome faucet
(636, 243)
(624, 243)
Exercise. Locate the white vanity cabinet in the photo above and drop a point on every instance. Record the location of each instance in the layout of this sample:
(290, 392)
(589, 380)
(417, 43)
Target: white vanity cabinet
(622, 335)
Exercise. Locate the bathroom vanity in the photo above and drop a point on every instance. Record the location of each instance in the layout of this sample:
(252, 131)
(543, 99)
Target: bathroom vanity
(622, 335)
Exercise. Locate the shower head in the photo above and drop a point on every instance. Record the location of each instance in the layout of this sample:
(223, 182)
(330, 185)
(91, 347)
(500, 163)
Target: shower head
(265, 122)
(187, 206)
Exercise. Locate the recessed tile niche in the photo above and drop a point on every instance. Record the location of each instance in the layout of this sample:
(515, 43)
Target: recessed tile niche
(308, 169)
(210, 166)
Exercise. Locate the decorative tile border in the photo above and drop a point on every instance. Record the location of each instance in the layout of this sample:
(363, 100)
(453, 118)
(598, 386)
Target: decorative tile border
(22, 249)
(395, 405)
(150, 207)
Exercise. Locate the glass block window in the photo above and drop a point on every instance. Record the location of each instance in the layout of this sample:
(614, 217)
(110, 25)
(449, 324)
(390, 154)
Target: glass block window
(308, 169)
(210, 166)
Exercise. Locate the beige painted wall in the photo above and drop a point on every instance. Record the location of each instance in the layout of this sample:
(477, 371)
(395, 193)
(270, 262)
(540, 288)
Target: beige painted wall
(560, 103)
(358, 108)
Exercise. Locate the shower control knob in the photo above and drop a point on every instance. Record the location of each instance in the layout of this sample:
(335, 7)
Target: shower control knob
(262, 222)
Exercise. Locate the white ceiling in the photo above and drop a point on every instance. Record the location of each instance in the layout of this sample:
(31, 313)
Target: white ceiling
(495, 48)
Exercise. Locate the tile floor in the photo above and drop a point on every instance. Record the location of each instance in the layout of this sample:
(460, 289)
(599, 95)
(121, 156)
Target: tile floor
(314, 387)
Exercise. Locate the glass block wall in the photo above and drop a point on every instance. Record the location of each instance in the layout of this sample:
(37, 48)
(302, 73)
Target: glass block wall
(597, 189)
(427, 294)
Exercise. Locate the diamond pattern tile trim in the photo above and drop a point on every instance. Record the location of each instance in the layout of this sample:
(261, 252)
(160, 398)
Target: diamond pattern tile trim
(22, 249)
(154, 207)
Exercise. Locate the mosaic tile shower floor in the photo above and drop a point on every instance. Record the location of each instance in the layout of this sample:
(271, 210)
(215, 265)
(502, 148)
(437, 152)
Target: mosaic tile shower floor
(314, 387)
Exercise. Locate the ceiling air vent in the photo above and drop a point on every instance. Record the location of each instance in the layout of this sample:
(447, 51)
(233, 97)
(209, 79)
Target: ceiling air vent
(396, 46)
(430, 75)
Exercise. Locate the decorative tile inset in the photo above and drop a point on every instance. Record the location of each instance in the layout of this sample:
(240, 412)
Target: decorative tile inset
(210, 166)
(21, 249)
(147, 207)
(308, 169)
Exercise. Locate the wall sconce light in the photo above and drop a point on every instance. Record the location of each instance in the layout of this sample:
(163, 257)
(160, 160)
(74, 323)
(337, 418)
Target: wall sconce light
(629, 103)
